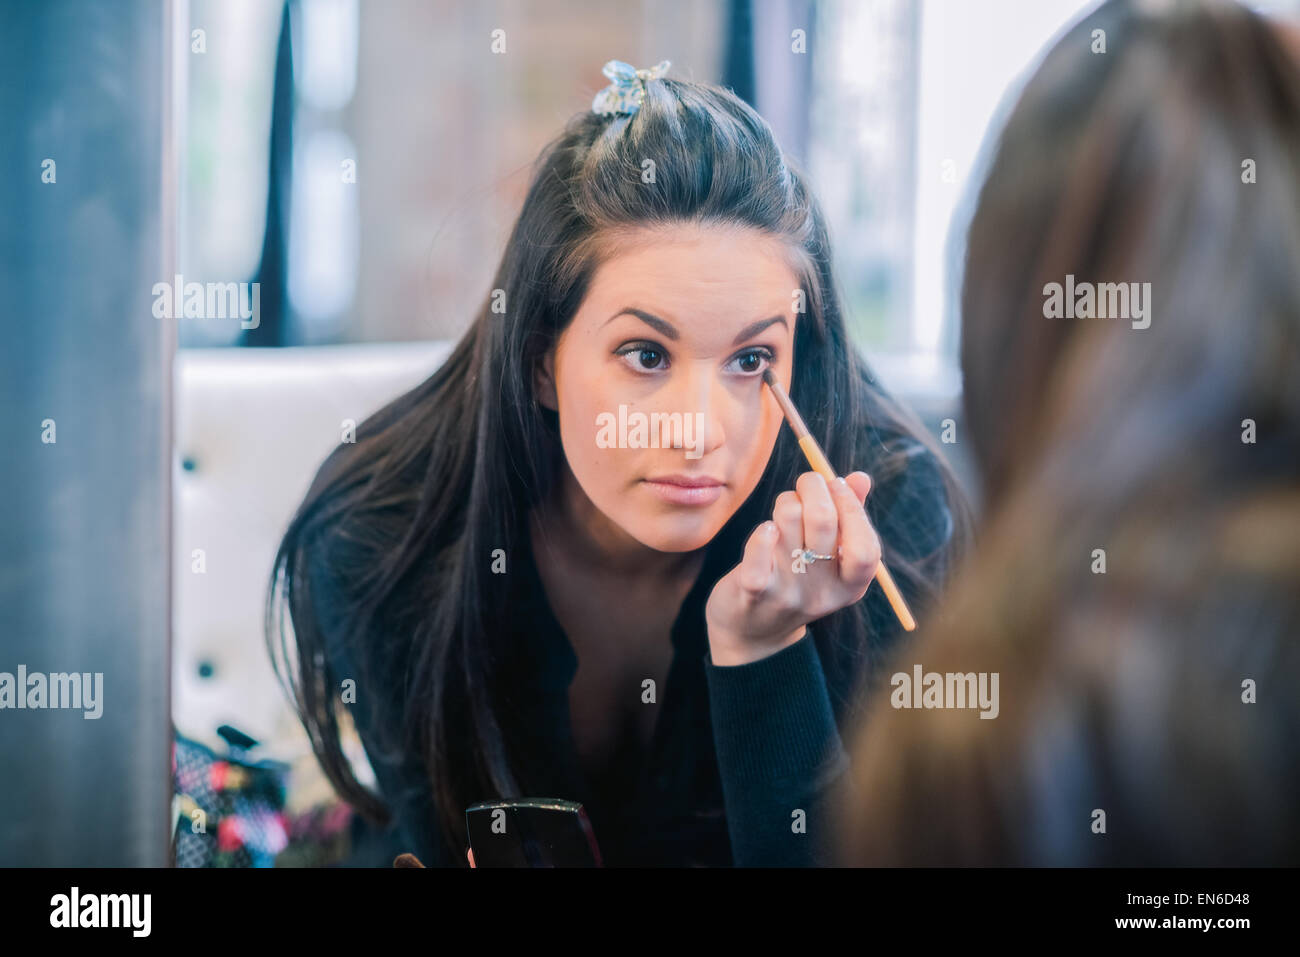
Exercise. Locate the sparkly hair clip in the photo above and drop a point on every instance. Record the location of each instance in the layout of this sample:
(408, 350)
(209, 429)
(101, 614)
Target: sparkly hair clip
(625, 93)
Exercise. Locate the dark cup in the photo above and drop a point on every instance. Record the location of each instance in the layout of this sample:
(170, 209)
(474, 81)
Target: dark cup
(532, 832)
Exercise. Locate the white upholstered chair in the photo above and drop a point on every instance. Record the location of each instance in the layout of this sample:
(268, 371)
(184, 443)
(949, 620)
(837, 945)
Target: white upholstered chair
(252, 427)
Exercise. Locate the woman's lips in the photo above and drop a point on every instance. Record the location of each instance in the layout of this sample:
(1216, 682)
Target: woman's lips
(686, 489)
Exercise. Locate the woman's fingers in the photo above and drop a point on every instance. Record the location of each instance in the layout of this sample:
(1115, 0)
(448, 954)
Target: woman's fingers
(860, 482)
(787, 513)
(830, 520)
(757, 562)
(859, 545)
(766, 595)
(820, 520)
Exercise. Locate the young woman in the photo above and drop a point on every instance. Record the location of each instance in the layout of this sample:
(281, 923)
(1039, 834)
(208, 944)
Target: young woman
(534, 604)
(1138, 582)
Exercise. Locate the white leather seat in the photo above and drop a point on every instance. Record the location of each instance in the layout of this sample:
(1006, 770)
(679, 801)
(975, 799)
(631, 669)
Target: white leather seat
(252, 428)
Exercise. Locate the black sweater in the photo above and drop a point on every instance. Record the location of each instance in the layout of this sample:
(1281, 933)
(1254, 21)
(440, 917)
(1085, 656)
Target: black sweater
(737, 753)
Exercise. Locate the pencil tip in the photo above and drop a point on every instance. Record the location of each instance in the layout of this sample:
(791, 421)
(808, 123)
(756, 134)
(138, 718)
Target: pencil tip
(768, 377)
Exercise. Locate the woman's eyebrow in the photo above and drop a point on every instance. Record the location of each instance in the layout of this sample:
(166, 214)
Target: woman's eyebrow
(754, 328)
(666, 328)
(650, 319)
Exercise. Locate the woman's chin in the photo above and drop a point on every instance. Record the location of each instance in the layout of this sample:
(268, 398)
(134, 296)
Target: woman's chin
(681, 533)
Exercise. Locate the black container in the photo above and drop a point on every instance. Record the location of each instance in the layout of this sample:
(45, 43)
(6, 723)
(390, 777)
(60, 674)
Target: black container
(533, 832)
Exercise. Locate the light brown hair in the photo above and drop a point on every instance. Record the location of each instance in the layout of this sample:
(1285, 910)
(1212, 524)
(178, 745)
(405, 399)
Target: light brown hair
(1123, 692)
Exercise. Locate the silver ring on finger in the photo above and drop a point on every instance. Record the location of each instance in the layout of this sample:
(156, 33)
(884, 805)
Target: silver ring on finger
(804, 557)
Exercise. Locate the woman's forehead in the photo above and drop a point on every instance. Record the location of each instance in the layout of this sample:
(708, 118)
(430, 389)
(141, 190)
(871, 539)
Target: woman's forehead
(696, 267)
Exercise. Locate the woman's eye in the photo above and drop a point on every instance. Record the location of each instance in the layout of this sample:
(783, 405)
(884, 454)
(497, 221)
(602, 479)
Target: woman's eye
(753, 361)
(644, 358)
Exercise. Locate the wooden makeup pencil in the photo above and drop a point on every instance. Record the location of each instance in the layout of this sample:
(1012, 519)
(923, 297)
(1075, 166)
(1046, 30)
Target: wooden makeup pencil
(817, 459)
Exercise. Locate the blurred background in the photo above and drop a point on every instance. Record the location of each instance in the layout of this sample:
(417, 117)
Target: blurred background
(362, 163)
(367, 160)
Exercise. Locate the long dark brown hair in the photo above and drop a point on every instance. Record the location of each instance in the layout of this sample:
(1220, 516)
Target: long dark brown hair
(1137, 587)
(409, 516)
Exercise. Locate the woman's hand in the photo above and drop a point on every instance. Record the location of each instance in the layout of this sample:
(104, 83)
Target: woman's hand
(763, 604)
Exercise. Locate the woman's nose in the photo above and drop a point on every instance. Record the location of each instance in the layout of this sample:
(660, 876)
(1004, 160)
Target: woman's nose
(702, 401)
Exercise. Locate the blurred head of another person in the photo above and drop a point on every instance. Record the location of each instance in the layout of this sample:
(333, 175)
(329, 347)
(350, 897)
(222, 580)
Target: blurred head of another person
(1137, 586)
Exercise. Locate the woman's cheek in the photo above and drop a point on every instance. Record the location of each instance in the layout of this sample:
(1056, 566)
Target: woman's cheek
(586, 447)
(603, 472)
(755, 461)
(755, 430)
